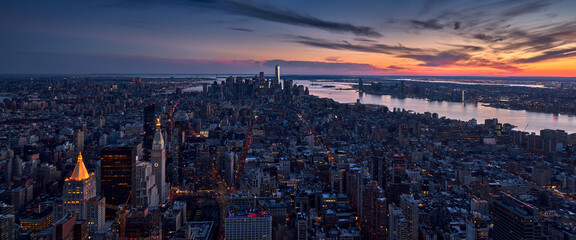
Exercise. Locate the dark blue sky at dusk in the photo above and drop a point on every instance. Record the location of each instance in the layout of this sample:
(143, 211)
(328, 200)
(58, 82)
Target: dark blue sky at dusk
(442, 37)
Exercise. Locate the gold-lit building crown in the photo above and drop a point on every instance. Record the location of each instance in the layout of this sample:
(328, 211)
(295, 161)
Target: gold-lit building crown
(80, 173)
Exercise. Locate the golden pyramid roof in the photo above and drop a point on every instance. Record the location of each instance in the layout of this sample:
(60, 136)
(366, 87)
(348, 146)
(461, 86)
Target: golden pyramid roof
(80, 173)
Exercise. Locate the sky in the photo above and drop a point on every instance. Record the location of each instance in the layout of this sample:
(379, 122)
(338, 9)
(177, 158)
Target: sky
(367, 37)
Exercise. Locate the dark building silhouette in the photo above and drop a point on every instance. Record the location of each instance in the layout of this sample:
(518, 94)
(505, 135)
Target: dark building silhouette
(374, 217)
(117, 167)
(514, 219)
(149, 130)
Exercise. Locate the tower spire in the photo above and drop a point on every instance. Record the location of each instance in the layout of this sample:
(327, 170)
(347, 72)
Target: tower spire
(80, 173)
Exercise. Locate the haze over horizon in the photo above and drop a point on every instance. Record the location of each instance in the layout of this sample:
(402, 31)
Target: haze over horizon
(416, 37)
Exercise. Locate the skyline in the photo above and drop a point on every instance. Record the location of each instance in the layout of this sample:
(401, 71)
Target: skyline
(431, 38)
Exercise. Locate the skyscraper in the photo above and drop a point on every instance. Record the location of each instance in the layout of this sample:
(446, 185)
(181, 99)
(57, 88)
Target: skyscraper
(117, 170)
(79, 196)
(277, 79)
(149, 126)
(275, 83)
(373, 219)
(409, 207)
(158, 161)
(514, 219)
(145, 192)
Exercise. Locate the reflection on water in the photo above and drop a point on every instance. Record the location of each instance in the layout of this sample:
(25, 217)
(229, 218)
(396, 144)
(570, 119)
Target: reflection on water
(532, 121)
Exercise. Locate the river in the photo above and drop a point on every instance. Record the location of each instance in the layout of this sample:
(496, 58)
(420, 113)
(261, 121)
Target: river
(531, 121)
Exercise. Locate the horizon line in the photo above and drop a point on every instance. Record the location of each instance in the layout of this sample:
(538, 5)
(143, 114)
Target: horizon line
(271, 74)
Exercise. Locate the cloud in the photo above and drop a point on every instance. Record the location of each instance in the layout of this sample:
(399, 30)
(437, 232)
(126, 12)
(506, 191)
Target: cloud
(541, 38)
(430, 24)
(392, 67)
(241, 29)
(527, 7)
(263, 12)
(441, 59)
(487, 38)
(286, 16)
(502, 30)
(548, 55)
(481, 62)
(344, 45)
(456, 25)
(470, 48)
(456, 55)
(333, 59)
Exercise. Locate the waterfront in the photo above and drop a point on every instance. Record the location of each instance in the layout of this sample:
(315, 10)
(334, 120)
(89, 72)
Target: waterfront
(532, 121)
(344, 93)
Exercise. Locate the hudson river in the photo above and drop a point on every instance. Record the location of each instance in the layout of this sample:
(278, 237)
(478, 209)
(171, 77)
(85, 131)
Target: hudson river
(533, 121)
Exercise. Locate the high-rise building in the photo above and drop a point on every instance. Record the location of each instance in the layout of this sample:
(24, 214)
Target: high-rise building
(117, 170)
(373, 219)
(277, 78)
(397, 224)
(514, 219)
(158, 160)
(409, 207)
(149, 126)
(176, 143)
(248, 224)
(79, 196)
(145, 192)
(7, 227)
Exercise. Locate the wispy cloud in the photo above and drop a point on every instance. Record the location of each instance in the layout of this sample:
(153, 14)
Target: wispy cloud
(497, 28)
(264, 12)
(274, 14)
(438, 60)
(392, 67)
(453, 55)
(344, 45)
(429, 24)
(549, 55)
(333, 59)
(481, 62)
(241, 29)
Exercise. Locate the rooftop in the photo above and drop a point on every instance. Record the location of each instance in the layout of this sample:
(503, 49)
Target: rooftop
(80, 173)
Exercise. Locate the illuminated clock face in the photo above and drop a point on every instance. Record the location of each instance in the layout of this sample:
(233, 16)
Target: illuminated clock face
(155, 164)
